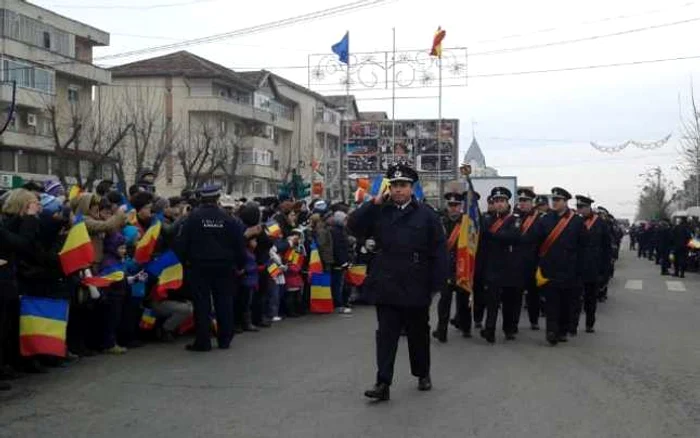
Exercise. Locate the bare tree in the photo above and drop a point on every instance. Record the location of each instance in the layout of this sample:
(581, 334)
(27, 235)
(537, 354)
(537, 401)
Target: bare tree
(79, 135)
(208, 153)
(690, 153)
(151, 136)
(656, 196)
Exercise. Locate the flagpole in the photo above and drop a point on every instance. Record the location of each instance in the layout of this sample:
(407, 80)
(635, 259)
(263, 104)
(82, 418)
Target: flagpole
(393, 97)
(439, 131)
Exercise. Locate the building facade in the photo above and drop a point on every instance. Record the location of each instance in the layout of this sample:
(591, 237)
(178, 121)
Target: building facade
(49, 58)
(246, 130)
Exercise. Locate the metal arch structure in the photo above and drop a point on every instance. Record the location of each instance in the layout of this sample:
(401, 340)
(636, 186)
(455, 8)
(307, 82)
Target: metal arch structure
(647, 146)
(385, 69)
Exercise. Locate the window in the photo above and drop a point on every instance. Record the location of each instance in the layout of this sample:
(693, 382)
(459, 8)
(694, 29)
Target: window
(28, 76)
(73, 94)
(257, 187)
(7, 160)
(47, 40)
(33, 162)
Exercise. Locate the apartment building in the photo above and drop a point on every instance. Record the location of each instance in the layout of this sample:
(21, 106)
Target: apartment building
(49, 58)
(263, 125)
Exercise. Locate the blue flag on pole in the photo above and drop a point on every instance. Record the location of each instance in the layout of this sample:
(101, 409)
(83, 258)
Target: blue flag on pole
(418, 191)
(342, 49)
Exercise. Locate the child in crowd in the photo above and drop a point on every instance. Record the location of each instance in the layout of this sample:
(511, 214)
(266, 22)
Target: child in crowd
(294, 259)
(277, 287)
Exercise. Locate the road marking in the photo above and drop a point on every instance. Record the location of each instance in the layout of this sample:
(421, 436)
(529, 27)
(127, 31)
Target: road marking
(633, 284)
(675, 286)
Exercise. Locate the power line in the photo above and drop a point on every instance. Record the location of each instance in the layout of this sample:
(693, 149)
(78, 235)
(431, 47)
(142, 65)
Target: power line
(324, 13)
(584, 39)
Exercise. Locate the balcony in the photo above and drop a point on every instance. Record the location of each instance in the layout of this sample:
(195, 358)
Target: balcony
(27, 140)
(62, 64)
(328, 128)
(26, 98)
(261, 143)
(241, 109)
(258, 171)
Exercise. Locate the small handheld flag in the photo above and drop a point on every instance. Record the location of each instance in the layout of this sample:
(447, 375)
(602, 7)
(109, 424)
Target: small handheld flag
(42, 326)
(147, 243)
(274, 270)
(321, 298)
(356, 275)
(74, 192)
(315, 265)
(272, 228)
(148, 320)
(77, 252)
(168, 270)
(107, 277)
(342, 49)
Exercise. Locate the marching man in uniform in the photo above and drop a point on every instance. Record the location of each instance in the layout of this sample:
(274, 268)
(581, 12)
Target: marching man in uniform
(528, 254)
(410, 265)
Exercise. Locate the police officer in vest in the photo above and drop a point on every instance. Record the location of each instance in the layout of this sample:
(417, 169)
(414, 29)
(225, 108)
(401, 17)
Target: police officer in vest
(212, 246)
(410, 265)
(527, 250)
(597, 257)
(560, 249)
(503, 269)
(451, 222)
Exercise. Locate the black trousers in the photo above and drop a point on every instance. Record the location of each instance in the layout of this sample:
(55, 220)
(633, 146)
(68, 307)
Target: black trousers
(590, 302)
(507, 297)
(534, 303)
(258, 305)
(479, 300)
(680, 260)
(219, 284)
(665, 261)
(391, 319)
(559, 307)
(464, 311)
(241, 306)
(9, 333)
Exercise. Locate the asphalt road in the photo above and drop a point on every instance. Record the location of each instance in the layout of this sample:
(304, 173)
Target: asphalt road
(638, 376)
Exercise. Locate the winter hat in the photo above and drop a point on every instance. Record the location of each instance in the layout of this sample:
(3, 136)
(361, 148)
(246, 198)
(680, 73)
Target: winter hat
(131, 234)
(50, 204)
(141, 199)
(250, 214)
(113, 241)
(339, 217)
(53, 187)
(320, 206)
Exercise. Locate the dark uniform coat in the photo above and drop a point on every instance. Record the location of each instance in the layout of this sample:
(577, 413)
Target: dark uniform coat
(411, 260)
(503, 267)
(562, 264)
(597, 252)
(527, 249)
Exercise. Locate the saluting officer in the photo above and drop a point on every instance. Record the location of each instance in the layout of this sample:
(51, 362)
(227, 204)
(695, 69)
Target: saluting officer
(212, 245)
(503, 271)
(451, 222)
(597, 256)
(560, 236)
(527, 251)
(410, 265)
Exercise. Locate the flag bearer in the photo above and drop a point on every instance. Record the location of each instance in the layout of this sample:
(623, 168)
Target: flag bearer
(411, 264)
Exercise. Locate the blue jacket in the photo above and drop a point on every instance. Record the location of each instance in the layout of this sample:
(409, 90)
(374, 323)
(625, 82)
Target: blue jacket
(411, 261)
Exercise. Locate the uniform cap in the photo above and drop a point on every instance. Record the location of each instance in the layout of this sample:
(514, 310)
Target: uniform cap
(210, 191)
(500, 192)
(401, 172)
(541, 200)
(558, 192)
(583, 201)
(454, 198)
(526, 194)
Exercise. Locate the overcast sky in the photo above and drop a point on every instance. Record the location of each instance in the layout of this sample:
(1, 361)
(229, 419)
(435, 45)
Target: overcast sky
(536, 127)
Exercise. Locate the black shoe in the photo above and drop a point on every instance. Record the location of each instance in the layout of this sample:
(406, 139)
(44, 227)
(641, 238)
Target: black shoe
(467, 334)
(238, 330)
(510, 336)
(682, 276)
(265, 324)
(440, 335)
(380, 392)
(490, 337)
(590, 330)
(134, 344)
(534, 327)
(665, 273)
(478, 326)
(454, 323)
(573, 333)
(250, 328)
(424, 384)
(4, 386)
(224, 346)
(197, 348)
(552, 338)
(33, 366)
(8, 373)
(562, 338)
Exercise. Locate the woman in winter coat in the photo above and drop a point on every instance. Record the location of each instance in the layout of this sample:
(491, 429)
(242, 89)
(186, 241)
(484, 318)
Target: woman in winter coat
(88, 204)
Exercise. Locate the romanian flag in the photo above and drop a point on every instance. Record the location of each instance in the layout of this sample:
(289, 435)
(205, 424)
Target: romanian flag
(74, 192)
(108, 276)
(147, 243)
(321, 298)
(148, 320)
(356, 275)
(379, 186)
(168, 270)
(436, 50)
(315, 265)
(468, 242)
(77, 252)
(274, 270)
(42, 326)
(273, 229)
(293, 258)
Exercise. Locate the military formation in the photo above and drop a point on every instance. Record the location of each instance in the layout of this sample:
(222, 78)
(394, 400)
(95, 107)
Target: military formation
(542, 255)
(663, 243)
